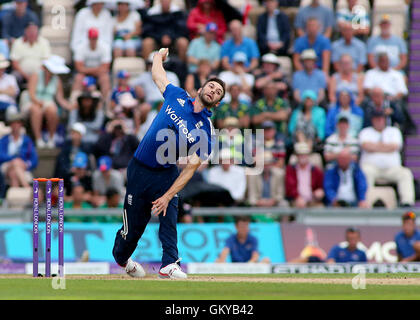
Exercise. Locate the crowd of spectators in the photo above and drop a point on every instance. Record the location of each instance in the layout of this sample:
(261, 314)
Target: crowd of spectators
(333, 124)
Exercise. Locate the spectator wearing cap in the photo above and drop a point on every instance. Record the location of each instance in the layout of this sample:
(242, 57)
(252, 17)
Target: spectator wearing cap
(381, 159)
(14, 22)
(44, 89)
(345, 183)
(345, 106)
(104, 177)
(239, 43)
(323, 14)
(113, 200)
(349, 44)
(90, 114)
(348, 251)
(80, 174)
(9, 89)
(204, 13)
(195, 80)
(304, 182)
(357, 14)
(239, 74)
(408, 240)
(273, 30)
(235, 108)
(346, 78)
(72, 145)
(127, 30)
(165, 26)
(116, 143)
(270, 71)
(122, 87)
(310, 78)
(271, 108)
(341, 140)
(93, 16)
(307, 123)
(313, 39)
(204, 47)
(93, 58)
(28, 52)
(394, 45)
(18, 154)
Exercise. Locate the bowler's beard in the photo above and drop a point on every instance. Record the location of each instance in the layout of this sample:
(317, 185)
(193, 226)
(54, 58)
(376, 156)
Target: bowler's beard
(206, 103)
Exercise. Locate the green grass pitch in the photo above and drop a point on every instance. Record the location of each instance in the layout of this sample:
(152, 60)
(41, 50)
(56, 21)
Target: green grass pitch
(237, 287)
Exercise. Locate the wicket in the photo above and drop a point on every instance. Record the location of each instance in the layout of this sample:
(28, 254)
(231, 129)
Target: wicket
(48, 223)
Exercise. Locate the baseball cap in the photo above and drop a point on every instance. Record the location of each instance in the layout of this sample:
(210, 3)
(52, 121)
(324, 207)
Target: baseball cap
(268, 124)
(308, 54)
(104, 163)
(309, 94)
(410, 215)
(270, 58)
(211, 27)
(343, 118)
(240, 57)
(79, 127)
(378, 113)
(93, 33)
(80, 160)
(56, 65)
(123, 74)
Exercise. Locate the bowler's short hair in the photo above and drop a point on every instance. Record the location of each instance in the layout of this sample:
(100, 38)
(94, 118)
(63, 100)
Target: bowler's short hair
(219, 81)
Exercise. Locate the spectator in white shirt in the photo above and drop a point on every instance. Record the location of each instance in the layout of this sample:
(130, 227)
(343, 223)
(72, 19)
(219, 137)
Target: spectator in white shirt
(8, 85)
(381, 159)
(93, 16)
(93, 58)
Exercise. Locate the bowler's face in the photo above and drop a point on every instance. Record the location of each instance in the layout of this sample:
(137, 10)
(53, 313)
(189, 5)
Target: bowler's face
(212, 93)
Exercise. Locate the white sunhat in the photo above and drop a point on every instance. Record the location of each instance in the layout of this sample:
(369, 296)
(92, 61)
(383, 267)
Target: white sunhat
(270, 58)
(4, 62)
(127, 100)
(56, 64)
(79, 127)
(309, 54)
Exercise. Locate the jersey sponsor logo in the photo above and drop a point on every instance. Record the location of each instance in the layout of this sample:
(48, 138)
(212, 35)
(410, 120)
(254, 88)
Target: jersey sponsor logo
(181, 101)
(179, 122)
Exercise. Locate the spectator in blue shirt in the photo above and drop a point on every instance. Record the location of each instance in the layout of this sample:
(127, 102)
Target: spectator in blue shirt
(242, 246)
(239, 42)
(322, 13)
(408, 240)
(14, 22)
(347, 251)
(313, 39)
(310, 78)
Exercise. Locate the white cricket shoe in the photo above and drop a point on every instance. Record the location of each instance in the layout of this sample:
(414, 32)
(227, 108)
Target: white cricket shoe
(172, 271)
(134, 269)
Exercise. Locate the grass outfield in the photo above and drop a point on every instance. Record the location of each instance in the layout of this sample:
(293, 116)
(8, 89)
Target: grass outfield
(265, 287)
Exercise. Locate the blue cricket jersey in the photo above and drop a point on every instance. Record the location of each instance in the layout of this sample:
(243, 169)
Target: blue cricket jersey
(342, 254)
(405, 245)
(177, 131)
(241, 252)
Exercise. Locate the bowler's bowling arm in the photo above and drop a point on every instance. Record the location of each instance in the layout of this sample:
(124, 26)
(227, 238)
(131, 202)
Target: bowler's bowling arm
(158, 72)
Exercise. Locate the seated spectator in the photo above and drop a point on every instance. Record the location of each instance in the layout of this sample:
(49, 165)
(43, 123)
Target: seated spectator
(346, 79)
(45, 89)
(127, 30)
(90, 114)
(239, 43)
(310, 78)
(13, 23)
(347, 251)
(116, 144)
(78, 201)
(121, 88)
(345, 106)
(408, 240)
(113, 200)
(18, 154)
(341, 140)
(307, 123)
(304, 182)
(204, 13)
(272, 108)
(70, 148)
(345, 183)
(127, 112)
(229, 176)
(231, 138)
(93, 16)
(196, 80)
(313, 39)
(8, 86)
(93, 58)
(273, 30)
(104, 178)
(350, 45)
(378, 102)
(266, 189)
(381, 159)
(357, 15)
(323, 14)
(80, 174)
(204, 48)
(394, 46)
(391, 81)
(270, 71)
(28, 52)
(239, 74)
(236, 108)
(165, 26)
(242, 246)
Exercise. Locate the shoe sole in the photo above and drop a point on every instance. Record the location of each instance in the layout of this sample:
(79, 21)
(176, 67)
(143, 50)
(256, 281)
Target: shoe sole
(167, 276)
